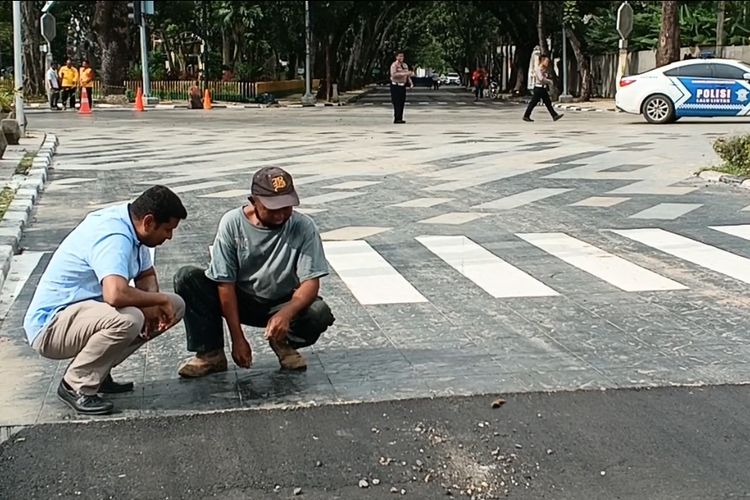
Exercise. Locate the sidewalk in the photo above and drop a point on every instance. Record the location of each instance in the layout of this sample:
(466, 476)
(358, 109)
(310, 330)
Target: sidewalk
(290, 101)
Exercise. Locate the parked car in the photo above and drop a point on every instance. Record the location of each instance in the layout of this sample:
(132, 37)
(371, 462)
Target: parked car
(452, 79)
(695, 87)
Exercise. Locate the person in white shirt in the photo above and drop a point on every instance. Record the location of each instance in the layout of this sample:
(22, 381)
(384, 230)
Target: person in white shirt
(53, 86)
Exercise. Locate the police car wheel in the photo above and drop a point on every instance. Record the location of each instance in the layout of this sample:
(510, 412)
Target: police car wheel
(659, 109)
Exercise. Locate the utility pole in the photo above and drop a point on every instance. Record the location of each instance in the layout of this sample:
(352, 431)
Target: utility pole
(144, 59)
(308, 99)
(18, 66)
(205, 44)
(565, 97)
(720, 29)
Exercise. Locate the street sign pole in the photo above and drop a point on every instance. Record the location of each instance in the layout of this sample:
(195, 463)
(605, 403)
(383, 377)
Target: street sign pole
(144, 57)
(308, 99)
(624, 28)
(565, 97)
(18, 66)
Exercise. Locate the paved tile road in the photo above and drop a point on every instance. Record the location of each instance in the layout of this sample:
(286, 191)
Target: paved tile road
(470, 252)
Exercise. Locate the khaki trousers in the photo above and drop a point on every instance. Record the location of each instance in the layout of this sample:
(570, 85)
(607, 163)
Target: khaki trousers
(98, 337)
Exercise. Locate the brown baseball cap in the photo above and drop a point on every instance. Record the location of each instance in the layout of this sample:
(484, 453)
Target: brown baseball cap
(274, 188)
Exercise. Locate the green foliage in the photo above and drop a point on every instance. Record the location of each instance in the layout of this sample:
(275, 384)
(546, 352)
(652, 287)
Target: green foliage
(6, 100)
(735, 152)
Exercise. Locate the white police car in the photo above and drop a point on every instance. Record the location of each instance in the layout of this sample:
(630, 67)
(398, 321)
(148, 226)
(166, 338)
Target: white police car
(695, 87)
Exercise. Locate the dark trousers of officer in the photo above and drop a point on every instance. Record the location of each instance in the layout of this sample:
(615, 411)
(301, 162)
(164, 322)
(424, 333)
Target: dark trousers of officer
(398, 99)
(69, 93)
(204, 321)
(540, 94)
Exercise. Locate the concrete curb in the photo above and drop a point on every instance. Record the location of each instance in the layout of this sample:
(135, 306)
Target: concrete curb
(722, 178)
(28, 187)
(573, 107)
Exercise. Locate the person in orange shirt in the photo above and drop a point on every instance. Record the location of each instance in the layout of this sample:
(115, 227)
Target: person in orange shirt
(87, 80)
(68, 83)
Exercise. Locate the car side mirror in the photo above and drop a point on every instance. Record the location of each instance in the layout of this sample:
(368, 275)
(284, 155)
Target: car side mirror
(746, 76)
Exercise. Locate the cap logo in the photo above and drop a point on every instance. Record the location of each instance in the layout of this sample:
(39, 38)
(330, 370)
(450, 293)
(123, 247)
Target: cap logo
(278, 183)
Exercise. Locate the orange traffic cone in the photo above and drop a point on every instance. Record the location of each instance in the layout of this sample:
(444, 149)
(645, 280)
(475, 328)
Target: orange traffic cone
(207, 104)
(84, 109)
(139, 100)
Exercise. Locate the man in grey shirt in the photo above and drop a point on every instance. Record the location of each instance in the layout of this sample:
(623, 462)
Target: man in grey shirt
(265, 270)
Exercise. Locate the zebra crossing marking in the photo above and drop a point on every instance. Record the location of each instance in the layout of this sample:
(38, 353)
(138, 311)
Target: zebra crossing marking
(613, 269)
(740, 231)
(666, 211)
(454, 218)
(521, 199)
(698, 253)
(369, 277)
(422, 202)
(599, 201)
(485, 269)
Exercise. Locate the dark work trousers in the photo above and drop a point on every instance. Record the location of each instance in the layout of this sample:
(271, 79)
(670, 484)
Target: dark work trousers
(203, 318)
(540, 94)
(69, 93)
(479, 91)
(54, 96)
(398, 99)
(89, 96)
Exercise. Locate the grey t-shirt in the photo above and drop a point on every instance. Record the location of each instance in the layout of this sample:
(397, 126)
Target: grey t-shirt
(266, 263)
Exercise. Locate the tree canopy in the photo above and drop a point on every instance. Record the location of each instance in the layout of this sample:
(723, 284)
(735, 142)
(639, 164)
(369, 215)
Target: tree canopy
(353, 41)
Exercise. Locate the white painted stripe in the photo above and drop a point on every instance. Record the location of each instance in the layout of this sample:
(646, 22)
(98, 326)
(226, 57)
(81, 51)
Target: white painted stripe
(371, 279)
(740, 231)
(488, 271)
(666, 211)
(202, 185)
(521, 199)
(610, 268)
(325, 198)
(599, 201)
(230, 193)
(21, 267)
(693, 251)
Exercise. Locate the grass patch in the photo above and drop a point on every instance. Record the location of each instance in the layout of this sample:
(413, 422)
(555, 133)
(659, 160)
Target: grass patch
(25, 165)
(6, 196)
(735, 153)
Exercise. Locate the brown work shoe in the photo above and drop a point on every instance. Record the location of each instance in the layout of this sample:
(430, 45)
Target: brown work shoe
(289, 358)
(204, 364)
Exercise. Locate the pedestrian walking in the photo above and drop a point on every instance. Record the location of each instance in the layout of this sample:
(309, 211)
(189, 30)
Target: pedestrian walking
(400, 79)
(53, 86)
(478, 78)
(265, 270)
(86, 81)
(69, 84)
(541, 92)
(84, 307)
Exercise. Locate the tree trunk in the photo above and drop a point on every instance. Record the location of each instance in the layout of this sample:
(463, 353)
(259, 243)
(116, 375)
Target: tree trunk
(33, 58)
(541, 35)
(669, 37)
(226, 48)
(520, 68)
(584, 71)
(329, 87)
(111, 27)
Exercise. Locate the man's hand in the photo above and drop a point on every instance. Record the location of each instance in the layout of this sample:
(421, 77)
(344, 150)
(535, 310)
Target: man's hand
(242, 354)
(278, 326)
(158, 319)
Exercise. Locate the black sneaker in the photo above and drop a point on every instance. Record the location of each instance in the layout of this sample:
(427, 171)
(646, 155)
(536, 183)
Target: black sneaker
(109, 386)
(557, 117)
(399, 121)
(82, 403)
(527, 119)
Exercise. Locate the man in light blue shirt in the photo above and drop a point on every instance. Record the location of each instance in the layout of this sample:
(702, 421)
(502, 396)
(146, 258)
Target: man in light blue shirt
(84, 307)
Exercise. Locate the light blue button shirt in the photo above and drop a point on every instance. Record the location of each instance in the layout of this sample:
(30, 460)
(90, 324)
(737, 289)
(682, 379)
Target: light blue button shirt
(104, 244)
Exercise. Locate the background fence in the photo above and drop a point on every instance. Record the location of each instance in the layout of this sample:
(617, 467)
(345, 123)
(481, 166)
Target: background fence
(179, 90)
